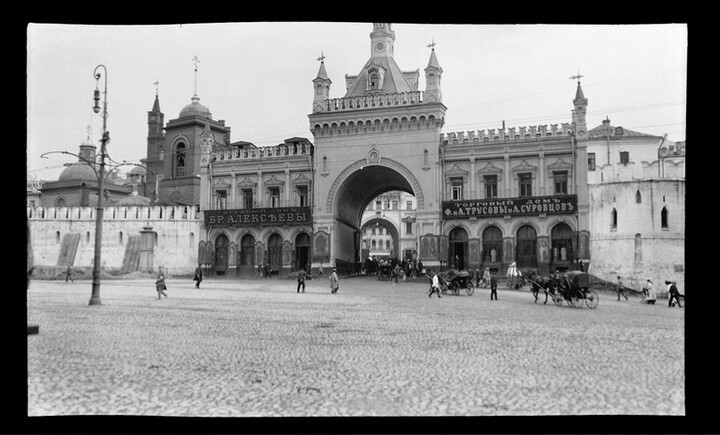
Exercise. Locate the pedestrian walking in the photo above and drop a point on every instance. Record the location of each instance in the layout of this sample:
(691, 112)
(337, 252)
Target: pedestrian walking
(621, 288)
(198, 277)
(674, 295)
(68, 274)
(160, 283)
(478, 277)
(651, 297)
(334, 283)
(647, 288)
(301, 280)
(486, 277)
(268, 270)
(493, 287)
(435, 285)
(396, 273)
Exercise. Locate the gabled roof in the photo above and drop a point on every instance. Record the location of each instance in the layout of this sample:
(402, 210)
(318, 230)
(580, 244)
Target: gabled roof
(606, 130)
(393, 82)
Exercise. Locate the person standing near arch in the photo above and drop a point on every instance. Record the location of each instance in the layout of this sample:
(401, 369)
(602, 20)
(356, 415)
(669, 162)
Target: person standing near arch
(334, 284)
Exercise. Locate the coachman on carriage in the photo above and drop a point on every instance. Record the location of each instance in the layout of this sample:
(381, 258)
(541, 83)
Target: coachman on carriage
(573, 287)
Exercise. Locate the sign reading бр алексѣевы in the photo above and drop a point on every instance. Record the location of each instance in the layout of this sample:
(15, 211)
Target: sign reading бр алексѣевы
(535, 205)
(259, 216)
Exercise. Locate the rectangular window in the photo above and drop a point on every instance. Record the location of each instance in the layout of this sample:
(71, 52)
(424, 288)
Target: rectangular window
(408, 227)
(274, 197)
(561, 178)
(525, 184)
(378, 205)
(303, 195)
(247, 199)
(394, 205)
(591, 161)
(408, 205)
(220, 199)
(624, 157)
(491, 182)
(387, 204)
(456, 186)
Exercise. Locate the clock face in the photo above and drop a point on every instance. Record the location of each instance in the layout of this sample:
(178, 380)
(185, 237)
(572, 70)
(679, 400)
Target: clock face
(379, 46)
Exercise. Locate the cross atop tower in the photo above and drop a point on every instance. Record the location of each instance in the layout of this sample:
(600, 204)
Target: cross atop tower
(196, 61)
(577, 77)
(322, 57)
(156, 83)
(432, 44)
(89, 131)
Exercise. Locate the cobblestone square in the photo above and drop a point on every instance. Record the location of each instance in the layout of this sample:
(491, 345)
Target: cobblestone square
(258, 348)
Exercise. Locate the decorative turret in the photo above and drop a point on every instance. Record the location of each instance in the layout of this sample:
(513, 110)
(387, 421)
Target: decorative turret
(433, 73)
(321, 84)
(381, 40)
(580, 103)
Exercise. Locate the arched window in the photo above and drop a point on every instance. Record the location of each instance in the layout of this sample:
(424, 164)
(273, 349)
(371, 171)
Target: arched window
(179, 160)
(613, 219)
(121, 237)
(161, 153)
(60, 202)
(87, 236)
(324, 164)
(247, 250)
(374, 244)
(664, 218)
(561, 242)
(426, 157)
(387, 244)
(57, 236)
(638, 197)
(374, 81)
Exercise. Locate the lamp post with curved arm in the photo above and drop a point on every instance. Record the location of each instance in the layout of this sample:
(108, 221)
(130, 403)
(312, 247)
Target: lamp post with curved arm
(95, 298)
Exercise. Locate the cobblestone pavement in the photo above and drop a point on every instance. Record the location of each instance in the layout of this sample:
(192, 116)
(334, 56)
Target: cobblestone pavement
(258, 348)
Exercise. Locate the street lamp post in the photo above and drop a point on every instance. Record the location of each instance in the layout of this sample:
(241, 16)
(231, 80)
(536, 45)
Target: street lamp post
(95, 298)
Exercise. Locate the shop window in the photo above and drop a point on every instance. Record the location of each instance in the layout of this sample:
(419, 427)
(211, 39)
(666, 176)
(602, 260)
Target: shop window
(591, 161)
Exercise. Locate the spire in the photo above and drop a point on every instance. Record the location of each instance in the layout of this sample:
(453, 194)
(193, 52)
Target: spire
(322, 74)
(195, 94)
(433, 62)
(579, 96)
(156, 104)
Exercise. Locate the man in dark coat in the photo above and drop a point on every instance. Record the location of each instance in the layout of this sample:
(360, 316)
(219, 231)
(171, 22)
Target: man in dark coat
(197, 277)
(301, 280)
(493, 287)
(674, 295)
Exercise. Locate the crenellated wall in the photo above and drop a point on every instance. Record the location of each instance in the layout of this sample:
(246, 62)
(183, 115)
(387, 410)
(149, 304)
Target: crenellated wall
(670, 169)
(500, 134)
(176, 242)
(280, 151)
(373, 101)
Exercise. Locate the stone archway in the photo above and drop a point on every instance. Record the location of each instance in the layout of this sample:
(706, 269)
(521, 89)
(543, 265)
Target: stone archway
(350, 194)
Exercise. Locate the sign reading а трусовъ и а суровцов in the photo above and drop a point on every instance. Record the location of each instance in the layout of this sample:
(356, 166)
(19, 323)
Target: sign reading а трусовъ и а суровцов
(561, 204)
(259, 216)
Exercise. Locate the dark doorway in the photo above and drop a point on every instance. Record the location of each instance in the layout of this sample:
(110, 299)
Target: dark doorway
(221, 255)
(526, 247)
(561, 244)
(302, 251)
(458, 248)
(492, 246)
(275, 252)
(246, 259)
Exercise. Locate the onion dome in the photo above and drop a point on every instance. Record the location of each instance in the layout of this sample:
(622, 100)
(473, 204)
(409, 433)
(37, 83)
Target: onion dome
(195, 109)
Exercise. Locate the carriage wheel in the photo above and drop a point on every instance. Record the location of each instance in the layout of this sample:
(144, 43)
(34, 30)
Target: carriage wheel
(455, 288)
(558, 300)
(470, 288)
(592, 298)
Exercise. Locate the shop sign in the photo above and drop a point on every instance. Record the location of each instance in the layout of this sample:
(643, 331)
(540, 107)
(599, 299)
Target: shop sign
(482, 208)
(259, 217)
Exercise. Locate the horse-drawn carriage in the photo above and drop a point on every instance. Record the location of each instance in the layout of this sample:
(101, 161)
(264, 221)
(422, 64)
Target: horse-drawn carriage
(573, 287)
(384, 272)
(455, 281)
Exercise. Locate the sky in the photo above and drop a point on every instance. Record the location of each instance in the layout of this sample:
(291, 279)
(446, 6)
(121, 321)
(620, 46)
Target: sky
(257, 76)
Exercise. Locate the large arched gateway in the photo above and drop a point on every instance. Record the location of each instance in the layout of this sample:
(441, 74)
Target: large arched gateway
(504, 186)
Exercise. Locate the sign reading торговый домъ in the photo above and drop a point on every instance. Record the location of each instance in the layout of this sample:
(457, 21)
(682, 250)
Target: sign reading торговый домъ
(536, 205)
(259, 216)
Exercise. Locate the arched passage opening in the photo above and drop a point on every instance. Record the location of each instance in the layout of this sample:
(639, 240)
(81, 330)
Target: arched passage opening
(246, 257)
(357, 187)
(221, 254)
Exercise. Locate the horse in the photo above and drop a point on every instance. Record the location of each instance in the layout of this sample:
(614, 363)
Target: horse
(537, 282)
